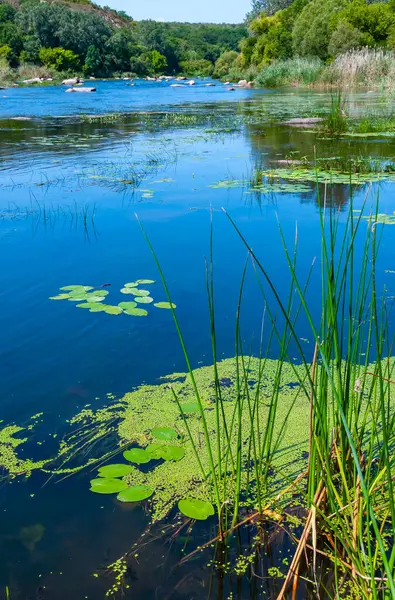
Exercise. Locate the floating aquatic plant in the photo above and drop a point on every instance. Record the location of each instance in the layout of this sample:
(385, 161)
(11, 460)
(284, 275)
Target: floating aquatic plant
(196, 509)
(107, 485)
(111, 471)
(164, 433)
(135, 493)
(165, 305)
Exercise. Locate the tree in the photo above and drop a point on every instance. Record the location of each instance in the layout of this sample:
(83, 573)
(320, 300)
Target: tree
(345, 38)
(269, 7)
(157, 62)
(10, 36)
(225, 63)
(93, 61)
(198, 67)
(59, 59)
(7, 12)
(312, 32)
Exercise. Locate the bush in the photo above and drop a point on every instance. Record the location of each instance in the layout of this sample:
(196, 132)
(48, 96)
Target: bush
(59, 59)
(6, 73)
(344, 38)
(198, 67)
(225, 63)
(157, 62)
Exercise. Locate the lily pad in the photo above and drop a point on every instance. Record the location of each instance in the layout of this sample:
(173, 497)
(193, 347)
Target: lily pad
(127, 290)
(136, 312)
(112, 310)
(127, 305)
(104, 485)
(60, 297)
(111, 471)
(137, 456)
(145, 281)
(91, 298)
(172, 453)
(167, 452)
(131, 285)
(137, 292)
(85, 305)
(196, 509)
(79, 288)
(135, 493)
(164, 433)
(167, 305)
(80, 298)
(96, 307)
(144, 299)
(190, 407)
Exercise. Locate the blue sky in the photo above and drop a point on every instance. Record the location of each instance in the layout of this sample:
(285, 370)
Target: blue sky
(212, 11)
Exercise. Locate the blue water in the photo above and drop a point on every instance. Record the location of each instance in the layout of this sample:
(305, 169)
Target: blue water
(55, 358)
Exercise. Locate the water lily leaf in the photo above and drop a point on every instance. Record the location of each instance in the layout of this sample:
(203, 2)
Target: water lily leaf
(84, 305)
(79, 288)
(144, 299)
(91, 298)
(127, 305)
(136, 312)
(76, 298)
(165, 305)
(190, 407)
(137, 292)
(99, 293)
(60, 297)
(135, 493)
(127, 290)
(145, 281)
(112, 310)
(138, 456)
(164, 433)
(96, 307)
(131, 285)
(111, 471)
(172, 453)
(155, 450)
(104, 485)
(196, 509)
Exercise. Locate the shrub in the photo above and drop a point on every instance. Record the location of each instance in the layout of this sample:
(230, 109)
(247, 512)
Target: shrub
(225, 63)
(197, 67)
(344, 38)
(59, 59)
(6, 73)
(157, 62)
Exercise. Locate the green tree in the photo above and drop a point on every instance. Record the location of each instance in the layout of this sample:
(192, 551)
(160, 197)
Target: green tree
(198, 67)
(93, 61)
(225, 63)
(312, 32)
(157, 61)
(344, 38)
(59, 59)
(10, 35)
(7, 12)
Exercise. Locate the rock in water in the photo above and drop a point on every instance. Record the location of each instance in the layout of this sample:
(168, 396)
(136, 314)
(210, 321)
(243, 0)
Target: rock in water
(81, 89)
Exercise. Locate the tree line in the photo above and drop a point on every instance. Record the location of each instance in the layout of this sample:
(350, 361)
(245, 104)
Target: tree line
(69, 38)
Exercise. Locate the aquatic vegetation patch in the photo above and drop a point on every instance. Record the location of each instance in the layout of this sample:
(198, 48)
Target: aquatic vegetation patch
(92, 299)
(10, 443)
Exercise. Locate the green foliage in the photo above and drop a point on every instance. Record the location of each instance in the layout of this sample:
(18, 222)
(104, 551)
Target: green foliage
(344, 38)
(198, 67)
(5, 52)
(93, 61)
(373, 20)
(311, 32)
(296, 71)
(7, 12)
(157, 62)
(59, 59)
(225, 63)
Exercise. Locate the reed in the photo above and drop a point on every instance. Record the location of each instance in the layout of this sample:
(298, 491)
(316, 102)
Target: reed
(346, 484)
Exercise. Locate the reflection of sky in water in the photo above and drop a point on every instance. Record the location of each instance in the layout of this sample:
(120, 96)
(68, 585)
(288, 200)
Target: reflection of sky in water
(55, 358)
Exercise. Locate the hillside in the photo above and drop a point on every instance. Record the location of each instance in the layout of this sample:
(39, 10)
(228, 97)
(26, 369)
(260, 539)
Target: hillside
(78, 36)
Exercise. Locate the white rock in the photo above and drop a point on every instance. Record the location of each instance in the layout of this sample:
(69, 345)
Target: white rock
(81, 89)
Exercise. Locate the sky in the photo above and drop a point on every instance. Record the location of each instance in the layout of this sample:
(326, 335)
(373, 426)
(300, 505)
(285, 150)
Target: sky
(195, 11)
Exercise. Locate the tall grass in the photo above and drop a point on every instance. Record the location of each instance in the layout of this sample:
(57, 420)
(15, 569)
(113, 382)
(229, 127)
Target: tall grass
(347, 488)
(293, 71)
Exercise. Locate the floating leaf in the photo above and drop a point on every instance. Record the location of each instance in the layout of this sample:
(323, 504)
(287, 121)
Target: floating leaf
(127, 305)
(190, 407)
(105, 485)
(167, 452)
(84, 305)
(90, 298)
(172, 453)
(131, 285)
(144, 299)
(80, 298)
(79, 288)
(97, 308)
(164, 433)
(112, 471)
(145, 281)
(165, 305)
(196, 509)
(127, 290)
(138, 456)
(99, 293)
(112, 310)
(137, 292)
(60, 297)
(136, 312)
(136, 493)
